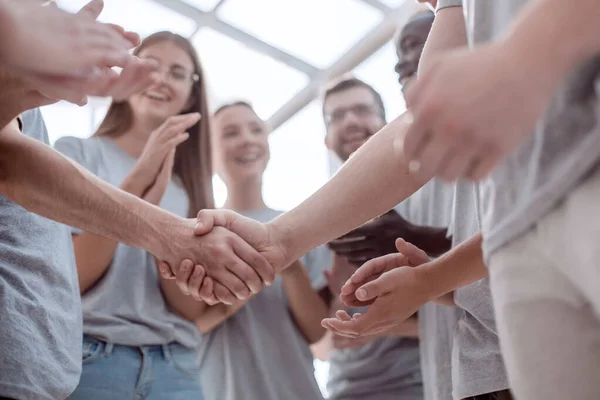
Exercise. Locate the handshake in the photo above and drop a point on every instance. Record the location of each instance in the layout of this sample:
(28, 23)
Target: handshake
(221, 256)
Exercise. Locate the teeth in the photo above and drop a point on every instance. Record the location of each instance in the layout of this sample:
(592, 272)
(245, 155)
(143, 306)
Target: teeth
(156, 96)
(248, 158)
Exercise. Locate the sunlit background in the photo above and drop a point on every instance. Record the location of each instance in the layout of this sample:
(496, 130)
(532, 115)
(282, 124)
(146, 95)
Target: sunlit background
(276, 54)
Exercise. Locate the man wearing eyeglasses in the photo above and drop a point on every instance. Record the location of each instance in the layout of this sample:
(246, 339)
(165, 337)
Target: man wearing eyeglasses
(389, 364)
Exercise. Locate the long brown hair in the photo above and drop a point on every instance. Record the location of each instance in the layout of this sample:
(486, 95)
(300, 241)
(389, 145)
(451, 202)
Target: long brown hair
(193, 162)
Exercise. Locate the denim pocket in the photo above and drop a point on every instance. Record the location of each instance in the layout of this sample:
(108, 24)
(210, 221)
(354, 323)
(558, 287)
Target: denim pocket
(91, 350)
(186, 361)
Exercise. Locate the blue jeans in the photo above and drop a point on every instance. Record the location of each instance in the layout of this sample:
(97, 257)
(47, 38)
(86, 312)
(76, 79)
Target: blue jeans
(164, 372)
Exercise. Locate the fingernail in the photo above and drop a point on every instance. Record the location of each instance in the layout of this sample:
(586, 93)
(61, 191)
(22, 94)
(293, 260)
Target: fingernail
(197, 272)
(361, 294)
(185, 267)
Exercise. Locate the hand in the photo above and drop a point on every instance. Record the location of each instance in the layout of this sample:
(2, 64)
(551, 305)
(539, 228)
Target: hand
(257, 235)
(229, 262)
(160, 144)
(47, 40)
(374, 239)
(474, 107)
(355, 292)
(99, 79)
(341, 271)
(397, 293)
(156, 192)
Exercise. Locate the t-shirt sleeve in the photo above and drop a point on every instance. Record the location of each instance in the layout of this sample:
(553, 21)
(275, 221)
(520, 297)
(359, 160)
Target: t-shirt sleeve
(317, 261)
(73, 148)
(448, 3)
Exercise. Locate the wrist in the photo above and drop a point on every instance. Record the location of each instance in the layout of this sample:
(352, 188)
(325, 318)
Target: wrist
(281, 237)
(428, 274)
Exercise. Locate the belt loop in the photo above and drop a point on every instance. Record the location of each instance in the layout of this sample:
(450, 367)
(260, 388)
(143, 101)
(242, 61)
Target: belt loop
(166, 352)
(108, 348)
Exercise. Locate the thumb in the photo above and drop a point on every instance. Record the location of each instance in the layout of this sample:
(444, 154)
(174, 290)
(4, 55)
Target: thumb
(92, 10)
(205, 221)
(413, 254)
(373, 289)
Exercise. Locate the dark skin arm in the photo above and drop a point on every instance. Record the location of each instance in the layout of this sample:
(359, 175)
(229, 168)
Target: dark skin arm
(377, 238)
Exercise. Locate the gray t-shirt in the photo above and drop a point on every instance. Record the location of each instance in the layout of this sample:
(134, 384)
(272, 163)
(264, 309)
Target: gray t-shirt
(126, 306)
(477, 364)
(259, 353)
(559, 154)
(432, 206)
(40, 307)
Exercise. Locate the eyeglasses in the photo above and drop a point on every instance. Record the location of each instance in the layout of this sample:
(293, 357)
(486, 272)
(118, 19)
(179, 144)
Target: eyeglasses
(179, 75)
(359, 110)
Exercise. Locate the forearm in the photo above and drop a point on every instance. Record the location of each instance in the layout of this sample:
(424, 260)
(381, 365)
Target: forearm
(408, 329)
(459, 267)
(306, 306)
(57, 189)
(371, 182)
(448, 32)
(213, 316)
(183, 305)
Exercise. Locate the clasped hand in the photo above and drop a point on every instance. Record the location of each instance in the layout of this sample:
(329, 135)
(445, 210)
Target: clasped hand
(232, 257)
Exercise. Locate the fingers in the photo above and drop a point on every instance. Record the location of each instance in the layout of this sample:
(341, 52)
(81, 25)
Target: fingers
(262, 270)
(483, 165)
(92, 10)
(373, 289)
(183, 276)
(223, 294)
(358, 325)
(178, 124)
(236, 286)
(207, 292)
(165, 270)
(413, 254)
(207, 219)
(196, 281)
(372, 269)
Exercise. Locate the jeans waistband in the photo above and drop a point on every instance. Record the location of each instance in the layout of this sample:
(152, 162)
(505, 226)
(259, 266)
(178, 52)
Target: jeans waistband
(108, 348)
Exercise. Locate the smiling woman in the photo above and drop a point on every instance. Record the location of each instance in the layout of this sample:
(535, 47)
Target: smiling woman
(155, 145)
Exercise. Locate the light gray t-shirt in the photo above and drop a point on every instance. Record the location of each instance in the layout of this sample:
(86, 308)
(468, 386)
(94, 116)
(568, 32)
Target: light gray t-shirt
(40, 307)
(259, 353)
(477, 364)
(126, 305)
(432, 206)
(559, 154)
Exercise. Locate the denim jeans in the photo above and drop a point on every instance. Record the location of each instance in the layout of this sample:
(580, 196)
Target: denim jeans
(164, 372)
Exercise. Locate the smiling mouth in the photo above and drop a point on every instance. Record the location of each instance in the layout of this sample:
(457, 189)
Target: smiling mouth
(156, 96)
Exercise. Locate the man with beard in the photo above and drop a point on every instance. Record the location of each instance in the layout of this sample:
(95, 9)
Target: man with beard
(373, 367)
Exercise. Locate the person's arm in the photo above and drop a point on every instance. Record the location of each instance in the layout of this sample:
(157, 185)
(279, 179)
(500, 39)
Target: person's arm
(370, 183)
(44, 182)
(306, 305)
(459, 267)
(448, 32)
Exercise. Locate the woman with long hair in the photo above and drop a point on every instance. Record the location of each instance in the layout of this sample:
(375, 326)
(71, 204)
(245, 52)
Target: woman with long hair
(259, 349)
(140, 340)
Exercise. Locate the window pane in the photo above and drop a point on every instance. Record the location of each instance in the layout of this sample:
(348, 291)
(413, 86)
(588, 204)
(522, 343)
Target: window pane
(378, 71)
(235, 72)
(140, 16)
(316, 31)
(204, 5)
